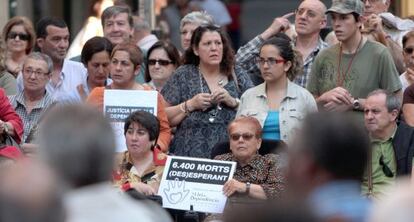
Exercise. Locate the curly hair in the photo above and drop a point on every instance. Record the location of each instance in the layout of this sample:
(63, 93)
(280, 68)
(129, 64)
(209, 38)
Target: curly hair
(226, 64)
(285, 46)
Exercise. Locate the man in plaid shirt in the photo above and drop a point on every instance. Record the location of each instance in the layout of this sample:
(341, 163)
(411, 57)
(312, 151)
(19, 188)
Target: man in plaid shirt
(309, 20)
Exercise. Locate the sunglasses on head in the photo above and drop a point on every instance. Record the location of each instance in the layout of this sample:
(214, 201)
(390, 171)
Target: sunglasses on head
(245, 136)
(409, 50)
(160, 62)
(387, 171)
(13, 35)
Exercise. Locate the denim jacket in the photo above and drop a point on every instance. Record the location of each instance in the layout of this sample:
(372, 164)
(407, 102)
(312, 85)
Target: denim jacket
(293, 108)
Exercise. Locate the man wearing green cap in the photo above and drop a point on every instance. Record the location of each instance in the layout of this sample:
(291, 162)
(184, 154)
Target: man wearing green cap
(344, 74)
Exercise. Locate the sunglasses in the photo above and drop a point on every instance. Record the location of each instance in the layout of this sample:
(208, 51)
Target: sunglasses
(270, 61)
(160, 62)
(408, 50)
(245, 136)
(387, 171)
(13, 35)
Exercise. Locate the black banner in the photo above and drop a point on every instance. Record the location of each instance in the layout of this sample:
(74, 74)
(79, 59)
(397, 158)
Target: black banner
(199, 171)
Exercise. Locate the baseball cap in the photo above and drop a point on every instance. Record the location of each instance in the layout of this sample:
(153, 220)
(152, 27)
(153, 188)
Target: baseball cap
(346, 7)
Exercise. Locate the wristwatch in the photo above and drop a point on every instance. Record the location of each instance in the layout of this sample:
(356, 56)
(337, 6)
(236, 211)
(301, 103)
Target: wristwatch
(356, 104)
(248, 188)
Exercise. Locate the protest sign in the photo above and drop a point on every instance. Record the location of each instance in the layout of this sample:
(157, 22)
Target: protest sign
(118, 104)
(195, 182)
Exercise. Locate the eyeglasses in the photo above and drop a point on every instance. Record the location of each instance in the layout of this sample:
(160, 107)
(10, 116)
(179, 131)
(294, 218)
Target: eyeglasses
(270, 61)
(245, 136)
(408, 50)
(308, 13)
(23, 37)
(370, 1)
(37, 73)
(387, 171)
(160, 62)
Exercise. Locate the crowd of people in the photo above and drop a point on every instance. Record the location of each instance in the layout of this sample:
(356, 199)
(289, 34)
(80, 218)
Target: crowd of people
(323, 126)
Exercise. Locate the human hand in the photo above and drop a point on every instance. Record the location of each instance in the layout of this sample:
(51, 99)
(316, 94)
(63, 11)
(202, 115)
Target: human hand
(221, 95)
(232, 186)
(2, 127)
(201, 101)
(279, 24)
(144, 188)
(337, 95)
(410, 75)
(375, 22)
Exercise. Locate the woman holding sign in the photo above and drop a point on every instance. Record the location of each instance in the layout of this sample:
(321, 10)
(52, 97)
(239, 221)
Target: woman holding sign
(256, 176)
(142, 165)
(202, 95)
(126, 59)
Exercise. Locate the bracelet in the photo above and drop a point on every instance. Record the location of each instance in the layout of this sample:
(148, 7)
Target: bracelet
(237, 101)
(182, 108)
(248, 188)
(187, 111)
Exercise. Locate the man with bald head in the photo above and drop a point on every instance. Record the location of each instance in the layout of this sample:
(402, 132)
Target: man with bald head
(309, 20)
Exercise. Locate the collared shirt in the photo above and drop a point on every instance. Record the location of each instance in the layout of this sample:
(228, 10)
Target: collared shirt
(74, 96)
(246, 54)
(302, 79)
(297, 103)
(151, 175)
(73, 74)
(265, 171)
(146, 42)
(30, 120)
(380, 182)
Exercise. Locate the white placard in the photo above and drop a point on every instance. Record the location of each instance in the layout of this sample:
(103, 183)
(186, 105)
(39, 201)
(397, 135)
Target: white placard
(195, 182)
(118, 104)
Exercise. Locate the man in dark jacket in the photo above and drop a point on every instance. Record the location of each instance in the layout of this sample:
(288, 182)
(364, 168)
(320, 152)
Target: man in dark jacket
(392, 143)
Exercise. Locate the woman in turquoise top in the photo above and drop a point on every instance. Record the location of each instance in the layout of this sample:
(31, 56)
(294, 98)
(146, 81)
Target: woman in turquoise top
(278, 104)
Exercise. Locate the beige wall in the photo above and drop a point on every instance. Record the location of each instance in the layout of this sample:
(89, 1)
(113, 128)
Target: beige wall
(407, 8)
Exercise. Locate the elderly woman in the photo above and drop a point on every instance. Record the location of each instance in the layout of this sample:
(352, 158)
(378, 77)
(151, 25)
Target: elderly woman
(189, 23)
(202, 95)
(163, 59)
(256, 176)
(126, 59)
(20, 38)
(95, 57)
(279, 104)
(141, 166)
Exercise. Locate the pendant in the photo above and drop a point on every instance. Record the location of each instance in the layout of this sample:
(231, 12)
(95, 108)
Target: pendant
(211, 119)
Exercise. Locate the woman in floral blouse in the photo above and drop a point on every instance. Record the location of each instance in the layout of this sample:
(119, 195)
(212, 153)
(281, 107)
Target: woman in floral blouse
(202, 95)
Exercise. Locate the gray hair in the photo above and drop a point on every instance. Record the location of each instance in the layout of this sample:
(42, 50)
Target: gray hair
(141, 24)
(392, 102)
(40, 56)
(78, 143)
(197, 17)
(116, 10)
